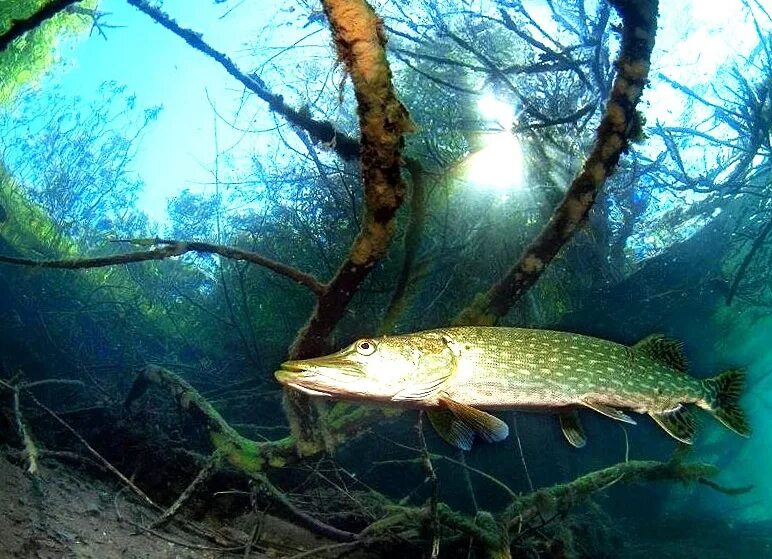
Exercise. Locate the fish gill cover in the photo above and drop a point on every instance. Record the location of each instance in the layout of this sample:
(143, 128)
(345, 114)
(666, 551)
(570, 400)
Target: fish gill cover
(250, 251)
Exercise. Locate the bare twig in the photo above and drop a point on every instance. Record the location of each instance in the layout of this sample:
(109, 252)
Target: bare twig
(98, 456)
(159, 535)
(520, 451)
(321, 131)
(30, 448)
(743, 267)
(211, 464)
(434, 499)
(318, 551)
(302, 517)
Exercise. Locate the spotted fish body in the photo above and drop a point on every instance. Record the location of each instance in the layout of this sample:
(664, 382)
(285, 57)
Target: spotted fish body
(456, 373)
(505, 368)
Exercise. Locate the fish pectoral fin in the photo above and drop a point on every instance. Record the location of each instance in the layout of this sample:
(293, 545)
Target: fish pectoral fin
(451, 429)
(488, 427)
(572, 428)
(678, 423)
(423, 388)
(608, 411)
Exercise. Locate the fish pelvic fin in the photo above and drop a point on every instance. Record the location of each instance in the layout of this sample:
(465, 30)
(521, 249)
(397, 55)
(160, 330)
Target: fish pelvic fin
(572, 428)
(678, 423)
(608, 411)
(722, 400)
(451, 430)
(486, 426)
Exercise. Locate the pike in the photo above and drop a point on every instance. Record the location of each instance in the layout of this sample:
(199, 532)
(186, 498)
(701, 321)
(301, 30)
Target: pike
(457, 373)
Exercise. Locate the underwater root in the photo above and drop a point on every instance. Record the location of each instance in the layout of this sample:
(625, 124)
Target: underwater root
(31, 450)
(433, 526)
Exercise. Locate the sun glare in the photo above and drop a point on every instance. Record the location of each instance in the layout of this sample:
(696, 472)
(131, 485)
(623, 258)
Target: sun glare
(498, 165)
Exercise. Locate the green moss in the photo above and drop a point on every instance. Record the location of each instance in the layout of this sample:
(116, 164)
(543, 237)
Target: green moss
(240, 452)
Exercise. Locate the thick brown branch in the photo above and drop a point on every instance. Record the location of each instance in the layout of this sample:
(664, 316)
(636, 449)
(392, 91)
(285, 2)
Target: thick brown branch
(19, 27)
(321, 131)
(619, 124)
(383, 122)
(171, 249)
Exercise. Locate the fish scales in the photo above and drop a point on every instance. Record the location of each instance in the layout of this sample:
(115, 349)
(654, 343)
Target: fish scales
(499, 368)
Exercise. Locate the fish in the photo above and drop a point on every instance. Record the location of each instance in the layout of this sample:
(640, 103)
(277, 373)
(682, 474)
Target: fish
(457, 375)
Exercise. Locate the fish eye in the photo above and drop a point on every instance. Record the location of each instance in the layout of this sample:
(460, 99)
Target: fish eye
(365, 347)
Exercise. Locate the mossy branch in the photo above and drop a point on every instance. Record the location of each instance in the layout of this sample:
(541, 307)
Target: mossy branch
(250, 457)
(619, 125)
(562, 497)
(247, 455)
(19, 27)
(30, 448)
(161, 249)
(383, 122)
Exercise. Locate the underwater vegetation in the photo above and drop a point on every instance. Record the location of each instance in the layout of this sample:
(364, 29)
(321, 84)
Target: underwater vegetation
(493, 207)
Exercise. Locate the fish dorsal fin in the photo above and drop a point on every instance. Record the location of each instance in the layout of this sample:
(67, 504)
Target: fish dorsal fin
(452, 431)
(488, 427)
(678, 423)
(665, 350)
(608, 411)
(572, 428)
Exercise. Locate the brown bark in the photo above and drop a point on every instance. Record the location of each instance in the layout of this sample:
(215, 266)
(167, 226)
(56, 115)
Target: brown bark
(383, 122)
(619, 125)
(170, 249)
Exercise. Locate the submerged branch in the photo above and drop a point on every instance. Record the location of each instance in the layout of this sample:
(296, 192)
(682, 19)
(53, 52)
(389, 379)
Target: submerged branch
(619, 125)
(321, 131)
(383, 121)
(19, 27)
(250, 457)
(562, 497)
(171, 249)
(412, 240)
(247, 455)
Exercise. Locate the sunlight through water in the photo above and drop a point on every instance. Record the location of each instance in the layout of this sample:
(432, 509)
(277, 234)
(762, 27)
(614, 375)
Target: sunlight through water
(498, 165)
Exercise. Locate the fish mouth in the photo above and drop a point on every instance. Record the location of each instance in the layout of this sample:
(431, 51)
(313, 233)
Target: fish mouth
(315, 377)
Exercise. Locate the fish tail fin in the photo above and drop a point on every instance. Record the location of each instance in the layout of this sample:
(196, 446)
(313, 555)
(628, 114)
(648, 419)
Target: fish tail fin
(722, 395)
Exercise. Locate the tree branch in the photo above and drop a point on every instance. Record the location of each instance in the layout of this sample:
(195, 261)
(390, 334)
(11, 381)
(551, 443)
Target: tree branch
(19, 27)
(171, 249)
(321, 131)
(383, 122)
(619, 125)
